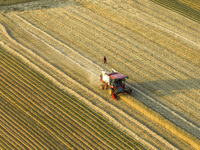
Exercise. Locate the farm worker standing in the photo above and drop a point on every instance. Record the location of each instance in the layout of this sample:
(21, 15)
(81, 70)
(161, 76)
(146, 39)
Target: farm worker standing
(104, 59)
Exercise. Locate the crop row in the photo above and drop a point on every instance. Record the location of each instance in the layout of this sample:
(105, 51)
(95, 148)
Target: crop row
(97, 42)
(185, 8)
(172, 71)
(62, 116)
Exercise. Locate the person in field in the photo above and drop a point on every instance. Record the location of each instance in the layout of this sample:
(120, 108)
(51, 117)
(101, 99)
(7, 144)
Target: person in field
(104, 59)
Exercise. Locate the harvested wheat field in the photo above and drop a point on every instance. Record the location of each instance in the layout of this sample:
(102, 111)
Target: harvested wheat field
(51, 59)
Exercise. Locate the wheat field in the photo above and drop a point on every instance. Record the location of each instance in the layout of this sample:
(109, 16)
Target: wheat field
(60, 49)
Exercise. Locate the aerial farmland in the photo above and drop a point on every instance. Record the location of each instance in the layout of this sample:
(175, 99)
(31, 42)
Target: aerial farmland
(51, 58)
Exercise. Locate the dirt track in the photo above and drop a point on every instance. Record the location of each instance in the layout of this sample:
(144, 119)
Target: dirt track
(159, 52)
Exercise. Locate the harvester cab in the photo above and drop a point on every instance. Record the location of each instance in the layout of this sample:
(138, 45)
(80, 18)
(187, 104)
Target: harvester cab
(114, 82)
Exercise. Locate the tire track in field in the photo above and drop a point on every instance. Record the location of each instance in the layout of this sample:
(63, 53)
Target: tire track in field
(193, 105)
(172, 76)
(69, 90)
(95, 21)
(53, 94)
(155, 15)
(21, 77)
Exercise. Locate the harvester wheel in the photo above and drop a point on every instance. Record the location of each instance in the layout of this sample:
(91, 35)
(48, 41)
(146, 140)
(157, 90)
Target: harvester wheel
(101, 87)
(130, 91)
(110, 91)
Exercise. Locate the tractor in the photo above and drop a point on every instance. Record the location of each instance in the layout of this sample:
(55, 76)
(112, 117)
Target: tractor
(114, 82)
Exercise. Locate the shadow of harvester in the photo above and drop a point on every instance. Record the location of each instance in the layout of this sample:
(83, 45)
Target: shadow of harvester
(171, 87)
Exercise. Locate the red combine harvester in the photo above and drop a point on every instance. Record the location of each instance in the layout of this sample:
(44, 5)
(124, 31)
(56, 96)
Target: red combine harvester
(114, 82)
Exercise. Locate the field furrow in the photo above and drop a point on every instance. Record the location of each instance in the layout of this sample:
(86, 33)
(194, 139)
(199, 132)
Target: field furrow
(13, 139)
(25, 88)
(117, 110)
(22, 122)
(48, 94)
(173, 84)
(50, 118)
(157, 48)
(165, 141)
(27, 139)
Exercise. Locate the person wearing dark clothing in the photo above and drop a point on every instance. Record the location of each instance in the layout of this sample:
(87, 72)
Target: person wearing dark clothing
(104, 59)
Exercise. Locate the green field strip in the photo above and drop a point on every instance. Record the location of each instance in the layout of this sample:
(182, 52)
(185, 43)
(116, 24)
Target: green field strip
(191, 3)
(12, 2)
(21, 127)
(27, 124)
(4, 143)
(55, 111)
(12, 139)
(14, 132)
(19, 132)
(44, 118)
(41, 120)
(180, 8)
(111, 136)
(13, 143)
(31, 109)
